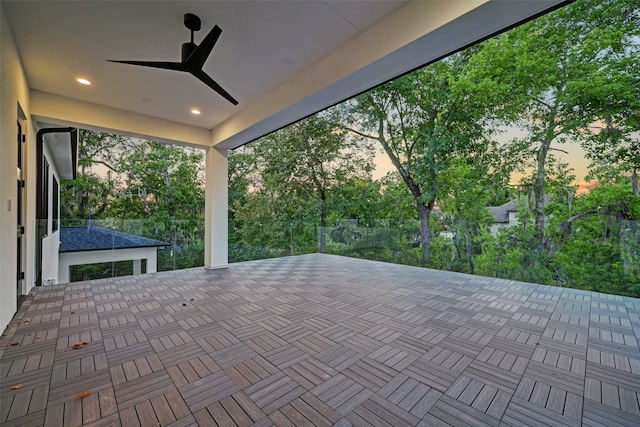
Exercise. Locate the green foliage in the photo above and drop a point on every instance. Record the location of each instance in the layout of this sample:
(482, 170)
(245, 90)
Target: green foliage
(303, 173)
(422, 121)
(463, 204)
(513, 253)
(598, 245)
(595, 244)
(555, 75)
(395, 241)
(101, 270)
(149, 189)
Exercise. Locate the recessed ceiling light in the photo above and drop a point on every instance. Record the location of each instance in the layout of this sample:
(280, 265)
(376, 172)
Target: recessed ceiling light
(83, 81)
(195, 111)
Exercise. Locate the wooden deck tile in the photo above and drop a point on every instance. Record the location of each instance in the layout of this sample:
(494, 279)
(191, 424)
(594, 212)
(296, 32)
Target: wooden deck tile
(342, 394)
(310, 373)
(523, 413)
(598, 414)
(410, 395)
(338, 357)
(369, 373)
(274, 392)
(285, 356)
(378, 411)
(455, 412)
(251, 371)
(208, 390)
(393, 357)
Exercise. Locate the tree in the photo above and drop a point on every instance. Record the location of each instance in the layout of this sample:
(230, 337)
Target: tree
(464, 200)
(608, 104)
(141, 187)
(307, 161)
(422, 121)
(162, 181)
(91, 193)
(536, 74)
(357, 198)
(599, 243)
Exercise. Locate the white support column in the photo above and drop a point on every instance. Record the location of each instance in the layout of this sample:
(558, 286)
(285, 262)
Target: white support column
(152, 261)
(137, 267)
(216, 239)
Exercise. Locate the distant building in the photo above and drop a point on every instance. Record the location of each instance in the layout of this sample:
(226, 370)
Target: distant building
(93, 245)
(504, 216)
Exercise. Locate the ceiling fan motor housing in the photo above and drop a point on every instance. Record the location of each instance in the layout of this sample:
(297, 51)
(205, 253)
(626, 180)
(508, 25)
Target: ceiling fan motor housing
(187, 50)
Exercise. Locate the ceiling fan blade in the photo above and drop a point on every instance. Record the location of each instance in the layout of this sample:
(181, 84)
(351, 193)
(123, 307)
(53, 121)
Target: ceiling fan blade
(197, 59)
(204, 77)
(177, 66)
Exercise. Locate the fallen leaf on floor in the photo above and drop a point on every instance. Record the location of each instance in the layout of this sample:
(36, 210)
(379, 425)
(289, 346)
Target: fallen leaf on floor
(80, 344)
(30, 335)
(83, 395)
(191, 299)
(15, 387)
(184, 304)
(30, 294)
(73, 312)
(13, 344)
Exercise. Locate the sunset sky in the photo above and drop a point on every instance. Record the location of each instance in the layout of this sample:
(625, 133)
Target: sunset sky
(576, 160)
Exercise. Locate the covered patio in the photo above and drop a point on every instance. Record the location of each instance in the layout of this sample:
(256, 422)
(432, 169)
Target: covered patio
(280, 61)
(320, 340)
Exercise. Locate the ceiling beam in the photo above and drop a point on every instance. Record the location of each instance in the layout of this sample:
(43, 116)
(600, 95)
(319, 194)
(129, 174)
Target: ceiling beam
(62, 111)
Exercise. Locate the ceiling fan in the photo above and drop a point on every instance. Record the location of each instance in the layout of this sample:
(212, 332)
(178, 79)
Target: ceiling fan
(193, 56)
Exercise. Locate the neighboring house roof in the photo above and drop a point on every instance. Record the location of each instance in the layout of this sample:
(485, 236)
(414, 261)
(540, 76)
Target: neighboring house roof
(501, 213)
(79, 239)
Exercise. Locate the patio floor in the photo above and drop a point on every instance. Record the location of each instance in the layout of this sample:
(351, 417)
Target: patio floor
(320, 340)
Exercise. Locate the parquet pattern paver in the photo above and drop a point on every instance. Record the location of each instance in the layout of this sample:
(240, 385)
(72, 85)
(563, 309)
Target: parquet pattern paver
(320, 340)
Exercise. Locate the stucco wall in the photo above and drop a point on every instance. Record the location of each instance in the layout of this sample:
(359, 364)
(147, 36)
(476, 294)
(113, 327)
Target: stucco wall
(50, 246)
(51, 243)
(68, 259)
(14, 91)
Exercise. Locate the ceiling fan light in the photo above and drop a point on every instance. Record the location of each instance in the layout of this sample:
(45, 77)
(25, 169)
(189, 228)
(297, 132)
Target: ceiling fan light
(83, 81)
(195, 111)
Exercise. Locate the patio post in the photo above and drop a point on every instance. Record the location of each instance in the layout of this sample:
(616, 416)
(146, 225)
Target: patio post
(137, 267)
(216, 239)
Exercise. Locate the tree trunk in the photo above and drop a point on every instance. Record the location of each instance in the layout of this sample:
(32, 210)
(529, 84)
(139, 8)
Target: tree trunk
(323, 223)
(425, 230)
(538, 193)
(81, 210)
(467, 236)
(635, 185)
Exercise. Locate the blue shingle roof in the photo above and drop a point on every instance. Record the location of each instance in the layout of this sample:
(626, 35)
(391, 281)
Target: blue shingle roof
(78, 239)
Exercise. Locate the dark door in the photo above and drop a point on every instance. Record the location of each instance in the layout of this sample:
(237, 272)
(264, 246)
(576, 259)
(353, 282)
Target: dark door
(20, 252)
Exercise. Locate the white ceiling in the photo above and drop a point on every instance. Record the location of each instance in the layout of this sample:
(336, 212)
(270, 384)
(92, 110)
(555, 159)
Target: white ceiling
(282, 60)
